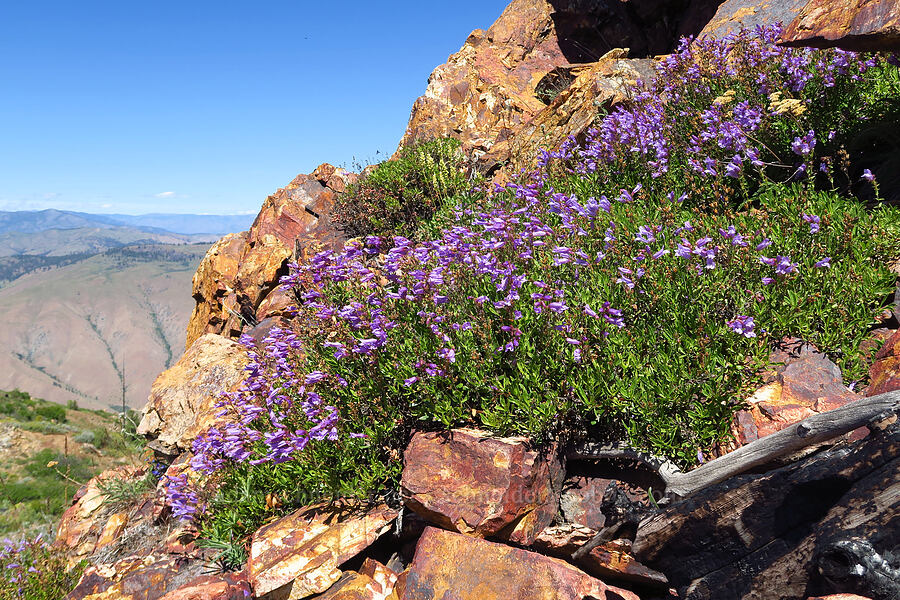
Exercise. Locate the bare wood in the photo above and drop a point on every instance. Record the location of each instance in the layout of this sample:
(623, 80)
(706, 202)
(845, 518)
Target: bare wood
(812, 430)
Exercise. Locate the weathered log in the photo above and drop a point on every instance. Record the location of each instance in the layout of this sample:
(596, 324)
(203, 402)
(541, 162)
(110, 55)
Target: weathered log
(812, 430)
(786, 533)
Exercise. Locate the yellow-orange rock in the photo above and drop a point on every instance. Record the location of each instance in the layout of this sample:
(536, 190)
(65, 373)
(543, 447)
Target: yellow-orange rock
(501, 78)
(304, 549)
(240, 270)
(573, 110)
(213, 282)
(136, 578)
(182, 400)
(884, 375)
(471, 482)
(870, 25)
(449, 565)
(227, 586)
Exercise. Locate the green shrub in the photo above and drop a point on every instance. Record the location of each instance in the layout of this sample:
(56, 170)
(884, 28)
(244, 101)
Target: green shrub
(52, 412)
(396, 196)
(630, 289)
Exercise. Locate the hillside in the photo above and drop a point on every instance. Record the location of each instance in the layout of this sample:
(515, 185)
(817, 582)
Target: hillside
(33, 221)
(74, 332)
(87, 240)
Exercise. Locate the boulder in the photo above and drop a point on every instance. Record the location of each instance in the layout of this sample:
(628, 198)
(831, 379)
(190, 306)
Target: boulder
(473, 483)
(303, 550)
(804, 382)
(356, 586)
(182, 400)
(864, 25)
(242, 269)
(449, 565)
(884, 375)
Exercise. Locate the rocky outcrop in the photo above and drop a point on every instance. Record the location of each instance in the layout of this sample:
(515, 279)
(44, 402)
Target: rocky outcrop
(470, 482)
(182, 400)
(242, 269)
(494, 88)
(864, 25)
(462, 567)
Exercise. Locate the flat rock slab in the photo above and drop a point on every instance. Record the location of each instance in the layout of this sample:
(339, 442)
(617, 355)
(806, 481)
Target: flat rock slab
(450, 566)
(306, 547)
(734, 15)
(470, 482)
(136, 578)
(865, 25)
(226, 586)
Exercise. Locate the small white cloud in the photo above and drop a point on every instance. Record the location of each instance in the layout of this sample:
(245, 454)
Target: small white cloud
(106, 205)
(165, 195)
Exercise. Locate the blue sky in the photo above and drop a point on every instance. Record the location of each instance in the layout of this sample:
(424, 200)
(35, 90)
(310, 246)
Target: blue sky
(197, 106)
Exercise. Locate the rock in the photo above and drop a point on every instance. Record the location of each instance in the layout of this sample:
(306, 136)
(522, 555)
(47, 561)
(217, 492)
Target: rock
(884, 375)
(572, 109)
(734, 15)
(580, 501)
(865, 25)
(470, 482)
(449, 565)
(304, 549)
(242, 269)
(212, 282)
(612, 561)
(89, 522)
(356, 586)
(136, 578)
(226, 586)
(804, 383)
(182, 400)
(498, 81)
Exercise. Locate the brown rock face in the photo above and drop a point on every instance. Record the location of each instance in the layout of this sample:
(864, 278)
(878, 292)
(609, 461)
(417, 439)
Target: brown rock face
(241, 269)
(503, 77)
(870, 25)
(884, 375)
(452, 566)
(305, 548)
(475, 484)
(182, 399)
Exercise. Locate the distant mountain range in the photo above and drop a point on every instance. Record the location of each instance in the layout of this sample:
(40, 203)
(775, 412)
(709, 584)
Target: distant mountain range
(42, 220)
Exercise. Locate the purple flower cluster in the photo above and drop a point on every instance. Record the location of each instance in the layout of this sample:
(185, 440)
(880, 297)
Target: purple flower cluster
(17, 561)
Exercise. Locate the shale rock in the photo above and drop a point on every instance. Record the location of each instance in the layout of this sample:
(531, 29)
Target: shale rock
(182, 400)
(865, 25)
(241, 270)
(303, 550)
(470, 482)
(449, 565)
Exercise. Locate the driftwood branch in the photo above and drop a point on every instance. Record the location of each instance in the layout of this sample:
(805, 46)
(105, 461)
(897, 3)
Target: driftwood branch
(812, 430)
